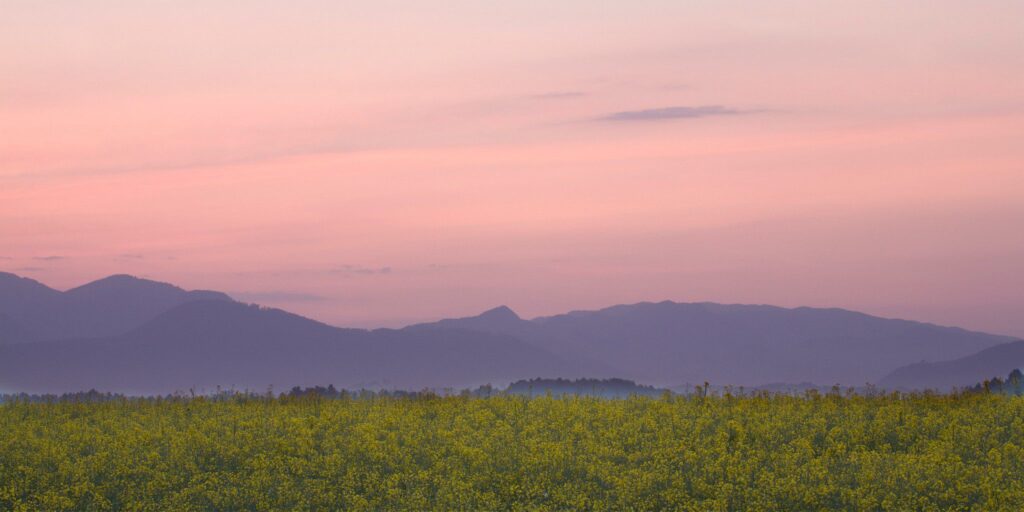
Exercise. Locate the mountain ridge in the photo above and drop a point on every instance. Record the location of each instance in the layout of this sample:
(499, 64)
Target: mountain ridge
(996, 361)
(666, 343)
(100, 308)
(133, 333)
(205, 344)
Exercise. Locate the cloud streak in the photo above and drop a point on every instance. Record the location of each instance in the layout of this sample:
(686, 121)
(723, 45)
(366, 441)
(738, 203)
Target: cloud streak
(559, 95)
(48, 258)
(359, 270)
(277, 296)
(668, 113)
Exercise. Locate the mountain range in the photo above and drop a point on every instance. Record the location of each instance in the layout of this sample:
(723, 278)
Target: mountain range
(668, 343)
(997, 361)
(132, 335)
(107, 307)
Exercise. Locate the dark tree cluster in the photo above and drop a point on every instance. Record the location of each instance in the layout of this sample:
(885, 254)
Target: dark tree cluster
(1013, 385)
(91, 396)
(609, 388)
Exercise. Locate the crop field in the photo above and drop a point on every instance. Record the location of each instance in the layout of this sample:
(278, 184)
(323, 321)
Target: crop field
(766, 452)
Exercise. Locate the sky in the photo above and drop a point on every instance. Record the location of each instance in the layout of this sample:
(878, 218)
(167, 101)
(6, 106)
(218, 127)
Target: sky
(380, 163)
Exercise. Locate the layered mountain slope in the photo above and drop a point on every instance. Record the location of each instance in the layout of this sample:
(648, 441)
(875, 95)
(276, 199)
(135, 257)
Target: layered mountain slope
(21, 297)
(997, 361)
(127, 334)
(107, 307)
(205, 344)
(670, 343)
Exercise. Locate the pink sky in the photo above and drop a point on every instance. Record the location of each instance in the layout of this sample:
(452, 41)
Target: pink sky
(376, 163)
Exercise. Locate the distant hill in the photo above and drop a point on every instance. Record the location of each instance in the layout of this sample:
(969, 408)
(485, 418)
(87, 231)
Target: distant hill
(206, 344)
(669, 343)
(106, 307)
(991, 362)
(22, 298)
(124, 334)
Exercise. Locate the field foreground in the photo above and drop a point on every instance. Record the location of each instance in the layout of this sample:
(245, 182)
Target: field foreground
(511, 453)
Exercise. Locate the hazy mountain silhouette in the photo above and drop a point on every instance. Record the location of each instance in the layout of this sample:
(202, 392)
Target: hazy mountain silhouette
(991, 362)
(501, 318)
(205, 344)
(21, 297)
(670, 343)
(106, 307)
(133, 335)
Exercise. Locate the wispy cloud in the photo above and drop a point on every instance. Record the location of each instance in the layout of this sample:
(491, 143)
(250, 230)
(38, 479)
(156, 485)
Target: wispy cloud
(277, 296)
(48, 258)
(666, 113)
(359, 270)
(193, 161)
(131, 256)
(677, 87)
(558, 95)
(30, 269)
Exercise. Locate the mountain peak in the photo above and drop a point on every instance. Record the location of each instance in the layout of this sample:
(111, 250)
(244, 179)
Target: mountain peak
(127, 287)
(500, 313)
(118, 284)
(7, 277)
(120, 278)
(17, 291)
